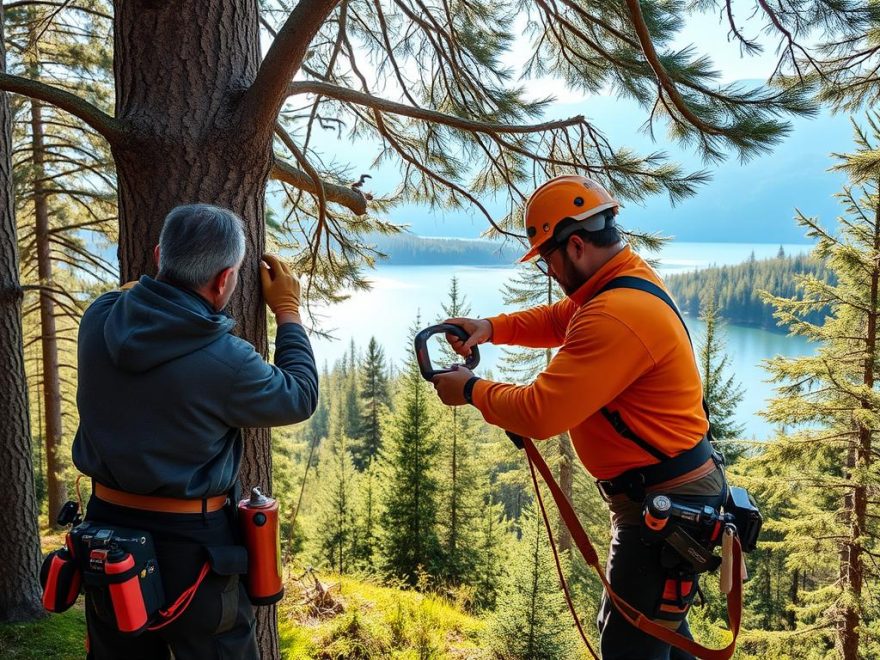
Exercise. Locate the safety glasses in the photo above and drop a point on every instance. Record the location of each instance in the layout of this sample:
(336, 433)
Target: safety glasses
(541, 261)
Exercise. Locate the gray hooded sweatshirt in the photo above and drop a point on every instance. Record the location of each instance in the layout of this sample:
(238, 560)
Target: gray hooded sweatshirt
(164, 389)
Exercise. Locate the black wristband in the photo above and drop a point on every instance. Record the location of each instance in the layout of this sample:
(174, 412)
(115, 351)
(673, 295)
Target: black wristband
(469, 389)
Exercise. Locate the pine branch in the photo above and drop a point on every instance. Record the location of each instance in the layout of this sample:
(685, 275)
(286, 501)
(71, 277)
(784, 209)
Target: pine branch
(392, 107)
(61, 5)
(110, 128)
(351, 199)
(264, 98)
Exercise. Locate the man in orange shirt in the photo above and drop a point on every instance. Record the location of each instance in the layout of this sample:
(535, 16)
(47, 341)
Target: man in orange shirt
(624, 384)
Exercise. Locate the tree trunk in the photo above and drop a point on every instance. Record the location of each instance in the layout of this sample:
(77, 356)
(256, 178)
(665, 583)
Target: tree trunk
(20, 550)
(54, 432)
(566, 483)
(856, 502)
(179, 70)
(793, 599)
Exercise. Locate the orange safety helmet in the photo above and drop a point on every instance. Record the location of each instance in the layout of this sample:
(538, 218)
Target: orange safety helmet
(569, 197)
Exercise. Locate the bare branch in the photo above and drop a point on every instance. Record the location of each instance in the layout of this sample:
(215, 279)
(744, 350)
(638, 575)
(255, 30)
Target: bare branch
(320, 194)
(262, 101)
(351, 199)
(109, 127)
(62, 5)
(369, 101)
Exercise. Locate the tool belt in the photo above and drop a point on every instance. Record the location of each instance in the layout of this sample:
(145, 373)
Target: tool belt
(158, 504)
(116, 564)
(634, 483)
(118, 567)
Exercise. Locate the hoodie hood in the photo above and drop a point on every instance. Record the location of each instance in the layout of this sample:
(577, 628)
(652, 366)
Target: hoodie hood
(154, 322)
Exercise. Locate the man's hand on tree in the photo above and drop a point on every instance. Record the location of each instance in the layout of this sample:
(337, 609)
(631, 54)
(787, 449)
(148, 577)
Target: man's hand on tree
(480, 331)
(281, 290)
(450, 387)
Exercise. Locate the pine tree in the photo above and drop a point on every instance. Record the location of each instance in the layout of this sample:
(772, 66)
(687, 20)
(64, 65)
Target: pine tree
(334, 520)
(368, 507)
(823, 469)
(458, 481)
(65, 202)
(531, 618)
(720, 390)
(409, 483)
(351, 419)
(491, 538)
(374, 400)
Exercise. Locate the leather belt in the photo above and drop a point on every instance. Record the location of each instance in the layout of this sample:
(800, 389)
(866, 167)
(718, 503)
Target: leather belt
(158, 504)
(634, 482)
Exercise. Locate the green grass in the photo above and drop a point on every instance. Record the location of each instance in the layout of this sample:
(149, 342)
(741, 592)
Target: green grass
(58, 636)
(375, 622)
(378, 622)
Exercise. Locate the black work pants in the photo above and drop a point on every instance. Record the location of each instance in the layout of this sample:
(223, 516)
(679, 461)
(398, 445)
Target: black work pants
(637, 574)
(219, 622)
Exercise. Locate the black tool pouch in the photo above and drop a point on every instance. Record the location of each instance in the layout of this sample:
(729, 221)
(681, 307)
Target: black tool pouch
(746, 517)
(120, 574)
(61, 579)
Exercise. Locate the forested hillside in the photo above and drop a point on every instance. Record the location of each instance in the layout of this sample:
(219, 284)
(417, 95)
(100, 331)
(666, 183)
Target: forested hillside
(737, 289)
(408, 249)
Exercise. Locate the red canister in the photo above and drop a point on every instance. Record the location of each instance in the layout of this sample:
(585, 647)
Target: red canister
(260, 528)
(126, 596)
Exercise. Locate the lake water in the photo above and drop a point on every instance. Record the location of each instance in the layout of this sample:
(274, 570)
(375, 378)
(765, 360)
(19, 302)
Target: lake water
(400, 293)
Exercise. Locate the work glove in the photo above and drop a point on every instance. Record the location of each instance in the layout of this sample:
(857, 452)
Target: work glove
(128, 285)
(281, 289)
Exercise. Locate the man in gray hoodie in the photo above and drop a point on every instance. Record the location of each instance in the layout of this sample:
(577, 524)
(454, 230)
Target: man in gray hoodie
(163, 391)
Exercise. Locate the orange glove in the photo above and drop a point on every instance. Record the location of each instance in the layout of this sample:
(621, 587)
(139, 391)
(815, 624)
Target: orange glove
(128, 285)
(281, 289)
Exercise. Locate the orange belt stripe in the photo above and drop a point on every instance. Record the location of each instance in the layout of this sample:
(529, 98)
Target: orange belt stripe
(158, 504)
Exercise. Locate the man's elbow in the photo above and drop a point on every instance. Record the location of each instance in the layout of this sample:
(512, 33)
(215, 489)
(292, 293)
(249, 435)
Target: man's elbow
(305, 402)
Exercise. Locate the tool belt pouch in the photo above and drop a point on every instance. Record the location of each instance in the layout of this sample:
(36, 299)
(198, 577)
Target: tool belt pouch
(120, 573)
(746, 517)
(61, 579)
(688, 533)
(679, 589)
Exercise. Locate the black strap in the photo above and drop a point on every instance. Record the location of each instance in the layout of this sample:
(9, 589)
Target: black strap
(622, 429)
(614, 418)
(634, 482)
(640, 284)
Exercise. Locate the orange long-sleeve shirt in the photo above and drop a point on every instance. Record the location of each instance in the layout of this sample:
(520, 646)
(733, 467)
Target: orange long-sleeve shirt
(625, 350)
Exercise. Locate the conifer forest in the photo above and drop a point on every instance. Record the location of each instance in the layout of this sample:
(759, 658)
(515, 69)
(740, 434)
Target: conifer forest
(333, 129)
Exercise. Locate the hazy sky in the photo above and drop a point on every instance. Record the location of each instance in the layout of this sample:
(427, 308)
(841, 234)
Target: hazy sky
(760, 194)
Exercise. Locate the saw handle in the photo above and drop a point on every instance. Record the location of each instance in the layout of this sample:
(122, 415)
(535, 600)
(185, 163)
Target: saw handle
(424, 358)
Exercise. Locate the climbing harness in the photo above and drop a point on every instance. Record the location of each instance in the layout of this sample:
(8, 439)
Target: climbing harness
(735, 529)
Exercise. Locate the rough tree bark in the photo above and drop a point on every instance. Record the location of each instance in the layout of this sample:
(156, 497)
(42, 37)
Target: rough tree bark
(855, 506)
(187, 143)
(195, 115)
(20, 551)
(56, 490)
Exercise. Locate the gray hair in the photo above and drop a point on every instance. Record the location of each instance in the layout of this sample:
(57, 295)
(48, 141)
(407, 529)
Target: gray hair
(197, 242)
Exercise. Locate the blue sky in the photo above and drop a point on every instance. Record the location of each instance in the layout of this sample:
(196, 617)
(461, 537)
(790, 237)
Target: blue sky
(752, 202)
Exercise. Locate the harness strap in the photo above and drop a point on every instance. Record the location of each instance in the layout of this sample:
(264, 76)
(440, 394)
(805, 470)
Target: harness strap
(614, 418)
(634, 482)
(633, 616)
